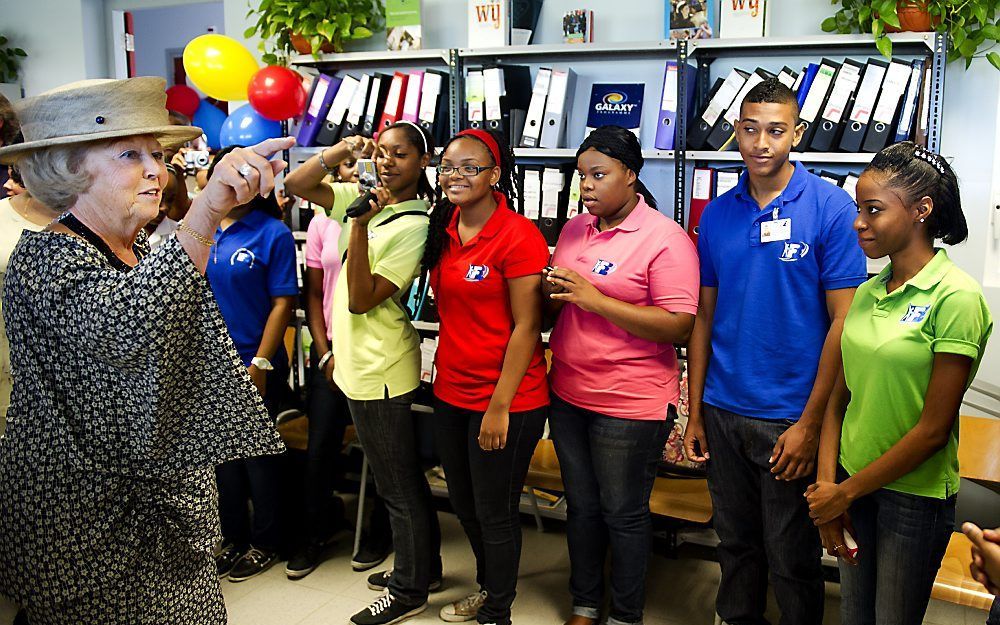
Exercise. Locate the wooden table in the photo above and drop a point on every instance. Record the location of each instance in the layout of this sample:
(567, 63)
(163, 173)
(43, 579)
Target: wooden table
(979, 451)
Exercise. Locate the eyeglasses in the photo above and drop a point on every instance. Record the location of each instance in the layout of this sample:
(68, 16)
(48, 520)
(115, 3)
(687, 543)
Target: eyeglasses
(467, 171)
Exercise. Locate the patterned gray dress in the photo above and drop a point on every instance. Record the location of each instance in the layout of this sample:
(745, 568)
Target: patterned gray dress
(128, 391)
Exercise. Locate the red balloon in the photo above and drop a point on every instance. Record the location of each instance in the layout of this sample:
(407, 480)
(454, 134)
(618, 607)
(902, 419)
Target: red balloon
(277, 93)
(183, 99)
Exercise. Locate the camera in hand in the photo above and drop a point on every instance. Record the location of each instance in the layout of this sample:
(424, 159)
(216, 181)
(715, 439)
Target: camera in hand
(196, 159)
(367, 181)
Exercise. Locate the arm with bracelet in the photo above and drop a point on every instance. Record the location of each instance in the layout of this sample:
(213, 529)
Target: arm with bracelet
(306, 181)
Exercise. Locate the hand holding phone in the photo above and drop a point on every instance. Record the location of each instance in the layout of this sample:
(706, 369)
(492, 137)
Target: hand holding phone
(367, 181)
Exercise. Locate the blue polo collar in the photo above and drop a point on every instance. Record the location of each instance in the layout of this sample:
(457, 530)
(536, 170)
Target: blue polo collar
(796, 185)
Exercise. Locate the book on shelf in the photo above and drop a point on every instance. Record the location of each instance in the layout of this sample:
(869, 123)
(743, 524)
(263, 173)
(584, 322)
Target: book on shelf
(743, 18)
(489, 23)
(524, 16)
(617, 104)
(691, 19)
(578, 26)
(402, 24)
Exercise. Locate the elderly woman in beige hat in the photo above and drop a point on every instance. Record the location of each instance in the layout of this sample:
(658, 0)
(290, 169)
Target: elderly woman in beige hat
(127, 387)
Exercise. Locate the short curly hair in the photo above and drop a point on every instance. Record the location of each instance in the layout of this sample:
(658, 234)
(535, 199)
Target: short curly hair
(55, 175)
(9, 126)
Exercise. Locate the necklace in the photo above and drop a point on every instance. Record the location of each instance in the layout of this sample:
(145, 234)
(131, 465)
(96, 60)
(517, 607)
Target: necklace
(70, 221)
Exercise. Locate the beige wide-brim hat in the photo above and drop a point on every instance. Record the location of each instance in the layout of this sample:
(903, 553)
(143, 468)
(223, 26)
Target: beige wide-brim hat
(92, 110)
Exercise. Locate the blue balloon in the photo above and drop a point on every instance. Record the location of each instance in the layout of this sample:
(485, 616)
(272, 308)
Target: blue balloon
(245, 126)
(210, 119)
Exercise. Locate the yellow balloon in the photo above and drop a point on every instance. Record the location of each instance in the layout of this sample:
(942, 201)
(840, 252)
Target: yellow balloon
(219, 66)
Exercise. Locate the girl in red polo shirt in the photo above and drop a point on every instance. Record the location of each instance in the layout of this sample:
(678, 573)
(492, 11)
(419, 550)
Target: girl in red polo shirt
(491, 395)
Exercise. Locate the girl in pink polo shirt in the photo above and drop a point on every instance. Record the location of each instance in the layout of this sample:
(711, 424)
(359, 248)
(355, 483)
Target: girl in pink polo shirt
(625, 289)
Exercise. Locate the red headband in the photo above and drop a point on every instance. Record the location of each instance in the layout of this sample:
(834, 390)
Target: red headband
(486, 138)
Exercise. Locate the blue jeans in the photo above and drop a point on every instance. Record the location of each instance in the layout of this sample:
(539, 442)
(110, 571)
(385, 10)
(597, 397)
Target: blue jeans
(901, 540)
(608, 466)
(763, 524)
(387, 432)
(485, 491)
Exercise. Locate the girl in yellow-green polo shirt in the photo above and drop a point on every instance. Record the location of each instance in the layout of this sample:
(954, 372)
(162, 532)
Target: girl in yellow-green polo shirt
(912, 342)
(376, 351)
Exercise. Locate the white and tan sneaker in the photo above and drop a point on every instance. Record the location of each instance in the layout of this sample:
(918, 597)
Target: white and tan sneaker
(464, 609)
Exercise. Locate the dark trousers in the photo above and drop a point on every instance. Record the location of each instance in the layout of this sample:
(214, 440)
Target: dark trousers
(387, 432)
(994, 617)
(608, 466)
(763, 524)
(328, 416)
(255, 480)
(901, 540)
(485, 491)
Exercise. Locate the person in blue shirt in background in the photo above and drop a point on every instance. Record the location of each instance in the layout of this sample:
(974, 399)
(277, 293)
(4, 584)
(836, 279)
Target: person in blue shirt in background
(779, 265)
(251, 270)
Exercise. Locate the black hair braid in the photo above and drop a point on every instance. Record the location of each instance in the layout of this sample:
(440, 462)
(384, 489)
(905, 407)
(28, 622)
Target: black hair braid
(268, 205)
(444, 210)
(622, 145)
(918, 172)
(425, 189)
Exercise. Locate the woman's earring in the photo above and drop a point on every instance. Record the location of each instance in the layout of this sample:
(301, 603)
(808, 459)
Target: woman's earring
(921, 220)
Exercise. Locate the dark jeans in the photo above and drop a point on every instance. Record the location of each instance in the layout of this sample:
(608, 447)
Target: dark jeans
(387, 432)
(485, 491)
(762, 523)
(328, 416)
(608, 466)
(901, 542)
(256, 480)
(994, 617)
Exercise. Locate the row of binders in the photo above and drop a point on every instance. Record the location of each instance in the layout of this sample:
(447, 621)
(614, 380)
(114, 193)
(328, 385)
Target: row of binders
(341, 107)
(708, 183)
(548, 196)
(504, 99)
(849, 106)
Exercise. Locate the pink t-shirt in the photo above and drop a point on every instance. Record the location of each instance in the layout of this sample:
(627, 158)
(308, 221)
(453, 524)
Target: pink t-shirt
(647, 260)
(322, 253)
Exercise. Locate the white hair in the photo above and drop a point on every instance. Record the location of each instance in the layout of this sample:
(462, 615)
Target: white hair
(55, 175)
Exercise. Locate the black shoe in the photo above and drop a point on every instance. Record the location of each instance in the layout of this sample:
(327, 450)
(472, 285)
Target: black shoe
(387, 610)
(304, 561)
(370, 554)
(228, 557)
(255, 562)
(380, 581)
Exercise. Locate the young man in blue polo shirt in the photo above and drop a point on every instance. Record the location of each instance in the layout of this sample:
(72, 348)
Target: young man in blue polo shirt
(779, 265)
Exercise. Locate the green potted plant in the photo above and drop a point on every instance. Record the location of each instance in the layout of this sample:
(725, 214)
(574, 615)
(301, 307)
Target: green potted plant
(312, 26)
(972, 25)
(10, 61)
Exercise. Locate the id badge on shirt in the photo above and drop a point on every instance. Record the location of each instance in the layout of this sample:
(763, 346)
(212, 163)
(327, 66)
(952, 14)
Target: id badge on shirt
(775, 230)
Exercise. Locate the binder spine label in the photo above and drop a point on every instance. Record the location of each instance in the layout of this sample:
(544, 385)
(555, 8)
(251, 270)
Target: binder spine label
(723, 97)
(817, 93)
(892, 91)
(864, 102)
(847, 80)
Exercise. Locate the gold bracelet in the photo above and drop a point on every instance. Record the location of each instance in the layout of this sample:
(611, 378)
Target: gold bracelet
(199, 237)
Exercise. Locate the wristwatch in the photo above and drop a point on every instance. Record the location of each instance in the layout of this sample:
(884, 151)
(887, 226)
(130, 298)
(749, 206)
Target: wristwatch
(262, 363)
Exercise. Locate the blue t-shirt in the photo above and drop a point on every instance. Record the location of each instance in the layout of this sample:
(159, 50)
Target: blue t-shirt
(252, 261)
(771, 317)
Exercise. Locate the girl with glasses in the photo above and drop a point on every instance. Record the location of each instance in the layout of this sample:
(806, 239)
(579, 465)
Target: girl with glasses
(490, 394)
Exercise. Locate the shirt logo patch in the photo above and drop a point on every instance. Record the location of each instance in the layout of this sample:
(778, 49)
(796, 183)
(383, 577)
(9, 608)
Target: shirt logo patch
(915, 314)
(604, 267)
(477, 273)
(244, 256)
(794, 251)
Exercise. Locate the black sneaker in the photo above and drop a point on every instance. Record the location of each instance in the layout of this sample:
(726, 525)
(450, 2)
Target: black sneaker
(380, 581)
(370, 554)
(255, 562)
(387, 610)
(304, 561)
(228, 557)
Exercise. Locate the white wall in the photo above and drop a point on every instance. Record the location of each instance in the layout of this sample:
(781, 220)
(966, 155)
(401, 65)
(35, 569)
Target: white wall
(153, 38)
(52, 33)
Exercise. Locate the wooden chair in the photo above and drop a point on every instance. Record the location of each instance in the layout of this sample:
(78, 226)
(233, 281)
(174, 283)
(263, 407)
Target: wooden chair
(979, 461)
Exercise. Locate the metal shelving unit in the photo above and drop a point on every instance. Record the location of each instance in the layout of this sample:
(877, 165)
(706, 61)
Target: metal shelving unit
(805, 157)
(571, 50)
(437, 56)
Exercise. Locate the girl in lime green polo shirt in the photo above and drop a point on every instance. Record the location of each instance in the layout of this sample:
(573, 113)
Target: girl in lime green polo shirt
(912, 342)
(376, 351)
